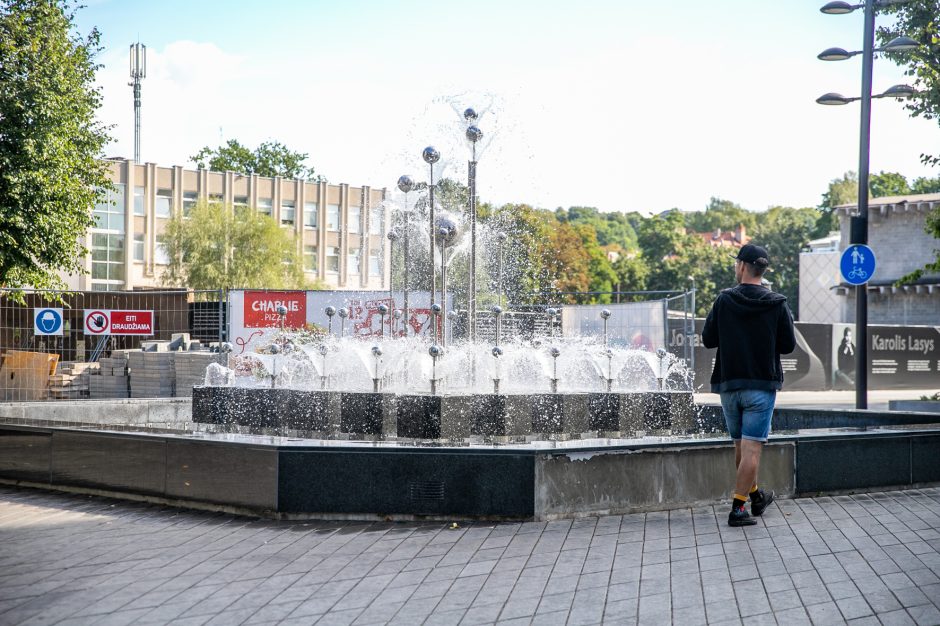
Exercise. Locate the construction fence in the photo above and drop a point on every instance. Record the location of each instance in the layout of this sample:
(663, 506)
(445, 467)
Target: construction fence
(107, 344)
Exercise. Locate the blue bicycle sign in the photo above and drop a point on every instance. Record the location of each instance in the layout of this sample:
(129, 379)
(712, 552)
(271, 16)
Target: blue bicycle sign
(857, 264)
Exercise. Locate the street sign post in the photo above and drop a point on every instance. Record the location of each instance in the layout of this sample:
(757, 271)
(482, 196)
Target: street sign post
(857, 264)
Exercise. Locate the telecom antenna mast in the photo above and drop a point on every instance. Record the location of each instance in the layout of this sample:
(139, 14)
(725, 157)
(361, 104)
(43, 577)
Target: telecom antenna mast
(138, 72)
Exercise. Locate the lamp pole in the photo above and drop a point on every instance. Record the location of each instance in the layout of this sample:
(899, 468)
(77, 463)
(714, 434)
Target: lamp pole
(858, 225)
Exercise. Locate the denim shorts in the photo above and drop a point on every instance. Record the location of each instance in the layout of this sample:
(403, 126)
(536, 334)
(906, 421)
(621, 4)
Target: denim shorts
(748, 413)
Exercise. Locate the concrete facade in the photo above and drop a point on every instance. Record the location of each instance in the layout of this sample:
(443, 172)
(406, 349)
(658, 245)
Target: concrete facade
(340, 230)
(901, 244)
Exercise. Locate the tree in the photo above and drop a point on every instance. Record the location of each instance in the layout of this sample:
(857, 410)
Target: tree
(920, 20)
(50, 142)
(925, 185)
(216, 247)
(784, 231)
(885, 184)
(271, 158)
(841, 191)
(722, 214)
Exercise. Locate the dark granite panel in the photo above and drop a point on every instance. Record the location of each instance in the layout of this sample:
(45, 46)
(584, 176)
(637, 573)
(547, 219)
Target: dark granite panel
(548, 413)
(362, 413)
(208, 405)
(419, 417)
(489, 415)
(616, 412)
(925, 459)
(240, 475)
(108, 461)
(852, 463)
(25, 454)
(313, 410)
(407, 482)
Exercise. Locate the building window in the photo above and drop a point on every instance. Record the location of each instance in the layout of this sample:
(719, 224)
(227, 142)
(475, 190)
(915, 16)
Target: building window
(107, 259)
(287, 212)
(164, 207)
(139, 201)
(376, 217)
(332, 217)
(332, 259)
(215, 198)
(264, 206)
(352, 261)
(310, 258)
(355, 219)
(109, 210)
(138, 246)
(311, 210)
(160, 255)
(241, 201)
(375, 262)
(189, 201)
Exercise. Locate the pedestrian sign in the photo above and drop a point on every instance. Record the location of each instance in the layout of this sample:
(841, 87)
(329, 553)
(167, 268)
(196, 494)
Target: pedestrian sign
(47, 321)
(857, 264)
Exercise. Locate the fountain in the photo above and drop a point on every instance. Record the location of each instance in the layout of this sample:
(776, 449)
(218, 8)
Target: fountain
(465, 416)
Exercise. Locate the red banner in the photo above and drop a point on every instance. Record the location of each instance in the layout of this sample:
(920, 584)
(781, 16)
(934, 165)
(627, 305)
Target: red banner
(261, 309)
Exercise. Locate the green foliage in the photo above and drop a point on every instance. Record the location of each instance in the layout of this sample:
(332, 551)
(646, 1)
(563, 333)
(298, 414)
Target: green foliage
(722, 214)
(841, 191)
(925, 185)
(612, 228)
(216, 247)
(50, 142)
(885, 184)
(920, 20)
(784, 231)
(271, 158)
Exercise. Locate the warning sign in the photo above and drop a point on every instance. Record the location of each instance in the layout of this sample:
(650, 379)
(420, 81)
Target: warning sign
(112, 322)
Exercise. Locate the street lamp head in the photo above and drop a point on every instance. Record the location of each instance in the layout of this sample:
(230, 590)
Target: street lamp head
(405, 183)
(837, 8)
(898, 91)
(901, 44)
(833, 99)
(835, 54)
(431, 155)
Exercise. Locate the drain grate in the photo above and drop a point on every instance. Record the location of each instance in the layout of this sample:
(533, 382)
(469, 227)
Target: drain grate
(426, 490)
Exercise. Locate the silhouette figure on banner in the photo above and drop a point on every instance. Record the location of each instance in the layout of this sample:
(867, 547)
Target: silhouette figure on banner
(845, 360)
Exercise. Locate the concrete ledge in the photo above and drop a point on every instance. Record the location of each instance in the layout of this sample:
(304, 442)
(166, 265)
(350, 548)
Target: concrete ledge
(915, 406)
(139, 411)
(630, 481)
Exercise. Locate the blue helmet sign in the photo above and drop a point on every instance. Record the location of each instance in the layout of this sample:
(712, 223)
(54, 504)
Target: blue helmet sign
(857, 264)
(47, 321)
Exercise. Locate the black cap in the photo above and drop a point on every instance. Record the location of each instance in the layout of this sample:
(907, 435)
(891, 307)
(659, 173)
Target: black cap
(751, 253)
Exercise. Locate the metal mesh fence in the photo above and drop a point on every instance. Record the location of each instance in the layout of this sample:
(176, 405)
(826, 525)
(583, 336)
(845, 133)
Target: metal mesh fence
(106, 344)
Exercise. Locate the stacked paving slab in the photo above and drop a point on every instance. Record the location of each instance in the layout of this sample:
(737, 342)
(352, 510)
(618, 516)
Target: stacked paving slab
(111, 380)
(152, 375)
(71, 380)
(191, 369)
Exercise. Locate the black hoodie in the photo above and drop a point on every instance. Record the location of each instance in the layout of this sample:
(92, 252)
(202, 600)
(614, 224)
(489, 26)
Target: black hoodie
(751, 326)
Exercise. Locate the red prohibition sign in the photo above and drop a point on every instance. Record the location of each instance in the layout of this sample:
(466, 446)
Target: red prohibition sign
(96, 322)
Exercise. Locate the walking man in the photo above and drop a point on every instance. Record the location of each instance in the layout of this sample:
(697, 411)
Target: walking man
(751, 326)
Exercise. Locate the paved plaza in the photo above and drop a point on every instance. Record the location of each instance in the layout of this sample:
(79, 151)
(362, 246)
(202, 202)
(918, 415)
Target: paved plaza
(861, 559)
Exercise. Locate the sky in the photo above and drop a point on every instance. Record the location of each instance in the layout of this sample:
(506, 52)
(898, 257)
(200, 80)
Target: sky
(624, 106)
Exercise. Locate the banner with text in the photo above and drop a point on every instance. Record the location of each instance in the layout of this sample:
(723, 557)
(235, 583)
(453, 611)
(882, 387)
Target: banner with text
(116, 322)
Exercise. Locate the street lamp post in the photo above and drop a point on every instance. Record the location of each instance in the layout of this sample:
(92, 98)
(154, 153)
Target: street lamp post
(859, 224)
